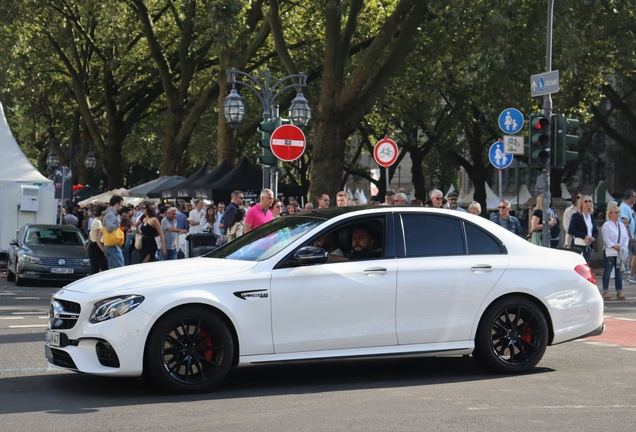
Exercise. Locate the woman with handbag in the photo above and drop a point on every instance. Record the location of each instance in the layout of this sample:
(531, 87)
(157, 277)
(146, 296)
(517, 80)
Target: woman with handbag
(583, 227)
(536, 222)
(615, 244)
(96, 251)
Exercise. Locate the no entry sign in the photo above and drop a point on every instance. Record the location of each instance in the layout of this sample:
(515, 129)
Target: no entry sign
(385, 152)
(288, 143)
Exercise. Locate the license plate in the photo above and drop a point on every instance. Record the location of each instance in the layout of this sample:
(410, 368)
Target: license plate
(52, 338)
(59, 270)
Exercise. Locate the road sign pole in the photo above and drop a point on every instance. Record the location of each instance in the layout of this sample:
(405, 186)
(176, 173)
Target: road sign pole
(500, 186)
(547, 114)
(62, 196)
(388, 182)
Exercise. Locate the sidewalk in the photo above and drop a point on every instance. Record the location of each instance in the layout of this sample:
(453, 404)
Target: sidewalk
(629, 290)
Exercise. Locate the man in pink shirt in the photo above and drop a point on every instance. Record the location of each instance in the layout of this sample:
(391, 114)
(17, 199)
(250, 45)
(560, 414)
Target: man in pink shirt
(260, 213)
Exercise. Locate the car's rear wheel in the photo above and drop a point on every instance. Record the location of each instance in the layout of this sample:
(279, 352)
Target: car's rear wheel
(190, 350)
(512, 335)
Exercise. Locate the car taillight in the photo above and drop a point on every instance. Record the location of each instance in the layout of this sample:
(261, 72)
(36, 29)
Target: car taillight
(586, 272)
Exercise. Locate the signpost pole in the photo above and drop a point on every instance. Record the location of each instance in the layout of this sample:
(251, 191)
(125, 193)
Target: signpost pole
(62, 196)
(500, 186)
(547, 114)
(388, 181)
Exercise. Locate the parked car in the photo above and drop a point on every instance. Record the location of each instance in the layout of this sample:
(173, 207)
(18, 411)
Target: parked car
(47, 253)
(331, 284)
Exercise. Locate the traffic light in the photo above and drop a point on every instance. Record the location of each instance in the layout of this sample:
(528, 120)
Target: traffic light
(267, 157)
(539, 140)
(563, 140)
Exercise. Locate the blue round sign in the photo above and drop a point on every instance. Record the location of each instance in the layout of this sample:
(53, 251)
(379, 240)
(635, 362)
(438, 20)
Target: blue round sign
(510, 121)
(498, 158)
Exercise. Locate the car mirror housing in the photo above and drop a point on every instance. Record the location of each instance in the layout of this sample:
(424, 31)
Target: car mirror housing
(311, 255)
(14, 242)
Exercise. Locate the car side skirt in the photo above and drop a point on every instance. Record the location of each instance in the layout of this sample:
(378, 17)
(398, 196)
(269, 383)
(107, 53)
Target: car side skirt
(416, 350)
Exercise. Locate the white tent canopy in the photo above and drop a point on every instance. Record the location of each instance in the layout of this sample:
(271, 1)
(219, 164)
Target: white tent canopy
(450, 189)
(17, 176)
(565, 193)
(524, 196)
(492, 200)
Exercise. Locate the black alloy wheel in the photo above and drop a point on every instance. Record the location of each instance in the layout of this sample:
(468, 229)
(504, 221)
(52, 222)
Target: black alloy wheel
(190, 350)
(512, 336)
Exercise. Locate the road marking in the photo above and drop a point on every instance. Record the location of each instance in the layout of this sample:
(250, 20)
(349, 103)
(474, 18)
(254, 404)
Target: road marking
(7, 293)
(629, 349)
(28, 313)
(29, 326)
(594, 407)
(27, 298)
(603, 344)
(625, 319)
(11, 318)
(44, 317)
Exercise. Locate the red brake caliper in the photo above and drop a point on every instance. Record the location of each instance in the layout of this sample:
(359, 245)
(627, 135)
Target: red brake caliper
(207, 343)
(527, 337)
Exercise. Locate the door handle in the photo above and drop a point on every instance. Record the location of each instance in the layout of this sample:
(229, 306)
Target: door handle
(481, 268)
(375, 271)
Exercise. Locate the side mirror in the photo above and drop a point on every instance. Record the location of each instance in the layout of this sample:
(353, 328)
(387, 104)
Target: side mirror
(311, 255)
(14, 242)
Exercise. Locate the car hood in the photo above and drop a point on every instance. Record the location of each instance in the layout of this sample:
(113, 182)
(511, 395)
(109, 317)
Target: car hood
(161, 274)
(56, 251)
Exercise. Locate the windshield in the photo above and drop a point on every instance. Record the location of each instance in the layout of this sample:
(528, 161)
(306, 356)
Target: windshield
(267, 240)
(53, 236)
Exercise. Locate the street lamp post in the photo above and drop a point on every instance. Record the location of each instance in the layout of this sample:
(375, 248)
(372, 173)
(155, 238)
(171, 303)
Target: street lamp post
(267, 93)
(65, 173)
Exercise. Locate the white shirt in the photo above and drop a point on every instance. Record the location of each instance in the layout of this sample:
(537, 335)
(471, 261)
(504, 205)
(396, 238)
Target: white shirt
(196, 216)
(567, 217)
(610, 237)
(588, 221)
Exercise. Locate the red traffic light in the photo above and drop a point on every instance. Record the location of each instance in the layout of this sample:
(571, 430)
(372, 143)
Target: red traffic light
(540, 123)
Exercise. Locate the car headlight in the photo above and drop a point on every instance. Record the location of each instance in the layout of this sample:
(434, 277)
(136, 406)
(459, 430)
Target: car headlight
(86, 262)
(30, 259)
(114, 307)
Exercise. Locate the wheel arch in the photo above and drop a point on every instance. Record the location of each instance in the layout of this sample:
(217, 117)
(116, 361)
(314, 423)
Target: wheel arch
(212, 309)
(529, 297)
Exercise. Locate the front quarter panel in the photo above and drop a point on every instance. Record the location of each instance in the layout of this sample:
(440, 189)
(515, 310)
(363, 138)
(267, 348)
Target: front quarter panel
(250, 315)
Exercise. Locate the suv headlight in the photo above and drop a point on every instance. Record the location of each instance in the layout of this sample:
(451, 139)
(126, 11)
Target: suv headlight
(114, 307)
(30, 259)
(86, 262)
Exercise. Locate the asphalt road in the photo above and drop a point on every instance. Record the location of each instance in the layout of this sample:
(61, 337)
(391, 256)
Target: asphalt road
(587, 385)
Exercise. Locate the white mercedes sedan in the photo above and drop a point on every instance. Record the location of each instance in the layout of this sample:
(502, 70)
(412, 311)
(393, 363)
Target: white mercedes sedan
(331, 284)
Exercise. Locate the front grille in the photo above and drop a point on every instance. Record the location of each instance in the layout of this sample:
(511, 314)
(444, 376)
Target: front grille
(62, 359)
(63, 314)
(68, 262)
(106, 355)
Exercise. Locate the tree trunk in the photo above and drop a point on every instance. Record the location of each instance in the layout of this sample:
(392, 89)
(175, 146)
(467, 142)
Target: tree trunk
(171, 157)
(327, 159)
(417, 174)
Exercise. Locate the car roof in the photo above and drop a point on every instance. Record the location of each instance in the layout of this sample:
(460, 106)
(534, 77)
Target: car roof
(51, 226)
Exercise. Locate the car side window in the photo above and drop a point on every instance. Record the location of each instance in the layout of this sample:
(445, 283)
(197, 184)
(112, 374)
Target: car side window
(480, 242)
(432, 235)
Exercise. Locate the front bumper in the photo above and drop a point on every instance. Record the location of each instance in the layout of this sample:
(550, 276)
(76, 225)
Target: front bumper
(112, 348)
(34, 271)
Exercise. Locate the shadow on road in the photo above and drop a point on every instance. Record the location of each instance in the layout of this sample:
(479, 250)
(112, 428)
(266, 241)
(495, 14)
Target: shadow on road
(64, 393)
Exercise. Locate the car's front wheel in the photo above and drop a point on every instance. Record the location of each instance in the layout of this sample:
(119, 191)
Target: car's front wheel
(190, 350)
(512, 335)
(10, 274)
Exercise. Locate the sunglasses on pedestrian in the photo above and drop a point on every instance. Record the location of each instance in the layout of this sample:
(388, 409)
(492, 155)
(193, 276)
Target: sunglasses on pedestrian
(503, 207)
(587, 201)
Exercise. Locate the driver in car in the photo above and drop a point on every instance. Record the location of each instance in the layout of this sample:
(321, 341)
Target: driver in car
(361, 244)
(328, 243)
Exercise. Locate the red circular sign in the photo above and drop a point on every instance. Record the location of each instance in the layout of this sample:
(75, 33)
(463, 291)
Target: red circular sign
(288, 143)
(385, 152)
